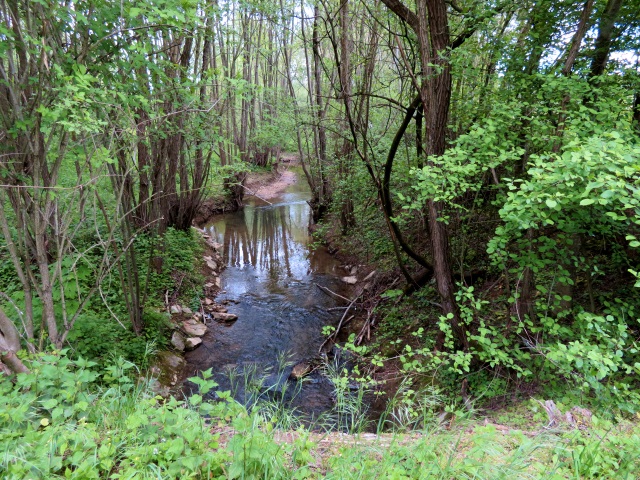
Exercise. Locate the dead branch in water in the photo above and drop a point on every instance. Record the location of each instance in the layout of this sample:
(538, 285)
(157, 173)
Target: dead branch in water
(331, 292)
(256, 195)
(335, 333)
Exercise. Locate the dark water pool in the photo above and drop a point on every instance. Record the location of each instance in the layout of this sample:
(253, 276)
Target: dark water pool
(270, 283)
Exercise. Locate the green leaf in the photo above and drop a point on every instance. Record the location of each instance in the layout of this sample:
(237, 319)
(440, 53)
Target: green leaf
(608, 193)
(50, 403)
(587, 201)
(551, 203)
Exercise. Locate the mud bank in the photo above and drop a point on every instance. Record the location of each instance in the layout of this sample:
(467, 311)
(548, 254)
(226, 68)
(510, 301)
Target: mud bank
(264, 185)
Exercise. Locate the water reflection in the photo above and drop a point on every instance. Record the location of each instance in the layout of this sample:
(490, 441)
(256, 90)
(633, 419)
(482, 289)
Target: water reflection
(270, 244)
(270, 280)
(268, 238)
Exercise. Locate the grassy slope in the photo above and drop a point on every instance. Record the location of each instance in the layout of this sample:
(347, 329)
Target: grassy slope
(74, 420)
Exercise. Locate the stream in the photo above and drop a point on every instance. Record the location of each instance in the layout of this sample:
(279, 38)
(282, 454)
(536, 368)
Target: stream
(270, 283)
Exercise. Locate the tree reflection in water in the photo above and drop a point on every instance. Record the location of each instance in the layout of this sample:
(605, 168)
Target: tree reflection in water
(272, 239)
(271, 281)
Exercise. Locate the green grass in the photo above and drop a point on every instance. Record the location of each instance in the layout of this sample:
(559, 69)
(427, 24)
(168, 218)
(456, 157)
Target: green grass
(71, 419)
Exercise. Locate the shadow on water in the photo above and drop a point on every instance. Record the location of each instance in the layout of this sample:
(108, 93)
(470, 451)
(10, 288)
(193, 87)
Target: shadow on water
(269, 283)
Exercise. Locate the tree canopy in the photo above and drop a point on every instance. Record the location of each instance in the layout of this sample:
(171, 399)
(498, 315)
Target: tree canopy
(464, 140)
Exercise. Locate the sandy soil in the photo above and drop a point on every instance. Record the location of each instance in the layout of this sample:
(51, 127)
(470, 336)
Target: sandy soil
(267, 186)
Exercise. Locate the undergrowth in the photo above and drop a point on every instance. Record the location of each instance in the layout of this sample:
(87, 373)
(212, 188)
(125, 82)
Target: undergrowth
(168, 269)
(74, 419)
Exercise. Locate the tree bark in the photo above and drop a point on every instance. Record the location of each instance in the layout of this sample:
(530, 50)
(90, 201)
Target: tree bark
(636, 112)
(347, 218)
(576, 41)
(325, 192)
(431, 26)
(10, 344)
(603, 41)
(436, 98)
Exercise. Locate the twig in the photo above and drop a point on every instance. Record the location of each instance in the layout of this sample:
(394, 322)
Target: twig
(326, 290)
(256, 195)
(334, 335)
(366, 329)
(337, 330)
(174, 295)
(106, 304)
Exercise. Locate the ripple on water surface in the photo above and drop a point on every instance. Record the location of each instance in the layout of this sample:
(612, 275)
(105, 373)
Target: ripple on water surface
(271, 273)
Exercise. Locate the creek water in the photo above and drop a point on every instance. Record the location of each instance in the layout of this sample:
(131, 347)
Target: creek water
(270, 283)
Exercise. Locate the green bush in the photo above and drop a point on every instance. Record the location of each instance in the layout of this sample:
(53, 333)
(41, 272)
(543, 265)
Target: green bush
(56, 422)
(177, 271)
(98, 337)
(71, 419)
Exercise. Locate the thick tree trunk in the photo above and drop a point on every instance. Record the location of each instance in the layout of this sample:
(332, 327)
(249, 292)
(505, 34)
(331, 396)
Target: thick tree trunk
(430, 24)
(436, 89)
(11, 360)
(605, 34)
(436, 98)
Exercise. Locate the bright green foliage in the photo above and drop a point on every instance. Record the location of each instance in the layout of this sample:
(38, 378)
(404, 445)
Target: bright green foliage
(57, 423)
(558, 171)
(71, 419)
(119, 109)
(600, 172)
(591, 191)
(464, 166)
(100, 337)
(178, 255)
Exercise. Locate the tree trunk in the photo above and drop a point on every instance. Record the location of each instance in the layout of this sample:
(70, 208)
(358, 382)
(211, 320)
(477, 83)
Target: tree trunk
(436, 98)
(636, 112)
(430, 24)
(322, 135)
(576, 41)
(345, 155)
(603, 41)
(10, 344)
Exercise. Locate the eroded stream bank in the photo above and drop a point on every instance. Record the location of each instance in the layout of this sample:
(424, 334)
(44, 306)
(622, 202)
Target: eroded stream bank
(271, 283)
